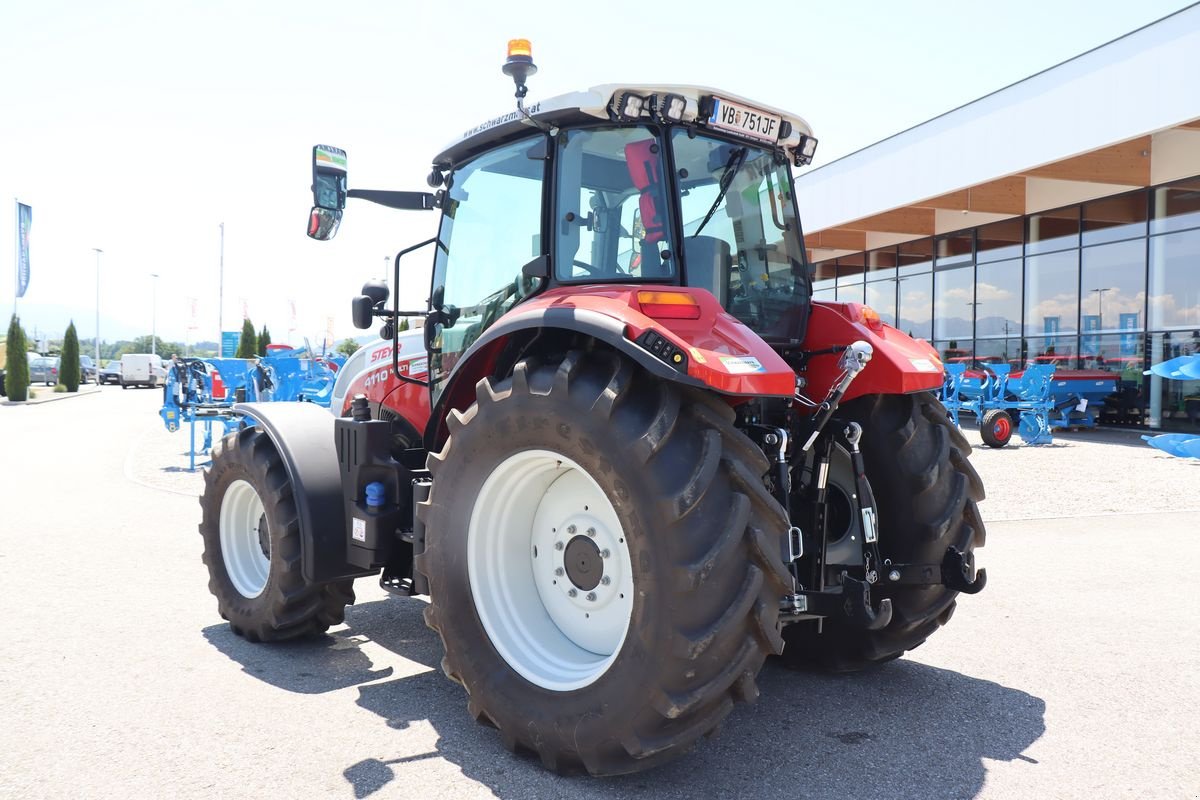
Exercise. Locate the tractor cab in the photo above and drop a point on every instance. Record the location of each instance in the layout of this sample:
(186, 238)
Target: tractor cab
(618, 185)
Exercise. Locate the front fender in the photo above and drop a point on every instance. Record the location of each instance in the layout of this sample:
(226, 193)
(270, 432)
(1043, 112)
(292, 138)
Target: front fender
(303, 435)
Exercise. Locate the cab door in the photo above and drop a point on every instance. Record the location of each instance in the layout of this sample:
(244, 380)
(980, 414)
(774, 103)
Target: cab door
(491, 227)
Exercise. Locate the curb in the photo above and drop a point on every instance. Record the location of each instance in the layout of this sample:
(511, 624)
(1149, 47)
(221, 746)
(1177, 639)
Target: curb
(52, 398)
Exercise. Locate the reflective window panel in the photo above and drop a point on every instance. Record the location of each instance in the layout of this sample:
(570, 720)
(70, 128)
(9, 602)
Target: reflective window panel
(915, 257)
(998, 298)
(1122, 356)
(1175, 280)
(1176, 206)
(915, 315)
(1173, 404)
(1000, 240)
(1052, 230)
(953, 302)
(1051, 294)
(1114, 287)
(954, 248)
(1114, 218)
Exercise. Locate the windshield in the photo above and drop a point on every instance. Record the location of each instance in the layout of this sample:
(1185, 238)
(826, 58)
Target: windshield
(741, 236)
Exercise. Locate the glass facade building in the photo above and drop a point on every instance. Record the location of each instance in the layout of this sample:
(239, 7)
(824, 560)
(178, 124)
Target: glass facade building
(1111, 284)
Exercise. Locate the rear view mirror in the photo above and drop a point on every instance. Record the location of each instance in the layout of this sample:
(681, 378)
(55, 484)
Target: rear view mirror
(323, 223)
(329, 191)
(361, 311)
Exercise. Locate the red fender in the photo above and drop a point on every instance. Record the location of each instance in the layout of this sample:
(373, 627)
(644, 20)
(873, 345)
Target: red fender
(900, 364)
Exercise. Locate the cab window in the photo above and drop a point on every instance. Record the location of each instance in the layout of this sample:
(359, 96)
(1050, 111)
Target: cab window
(491, 227)
(611, 215)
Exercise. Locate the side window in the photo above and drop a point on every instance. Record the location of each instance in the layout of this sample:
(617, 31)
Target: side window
(611, 215)
(491, 227)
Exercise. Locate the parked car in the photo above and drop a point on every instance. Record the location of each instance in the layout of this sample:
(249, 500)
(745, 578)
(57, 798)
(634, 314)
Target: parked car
(87, 370)
(43, 369)
(142, 369)
(111, 373)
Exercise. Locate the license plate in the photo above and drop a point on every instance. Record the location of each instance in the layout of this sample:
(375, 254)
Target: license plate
(744, 120)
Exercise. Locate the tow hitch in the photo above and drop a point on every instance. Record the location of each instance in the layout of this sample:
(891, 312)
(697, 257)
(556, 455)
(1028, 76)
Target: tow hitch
(850, 598)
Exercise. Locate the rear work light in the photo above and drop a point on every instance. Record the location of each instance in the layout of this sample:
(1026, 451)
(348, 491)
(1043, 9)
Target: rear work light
(669, 305)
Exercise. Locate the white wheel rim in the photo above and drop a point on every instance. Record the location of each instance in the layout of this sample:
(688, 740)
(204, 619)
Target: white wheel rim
(544, 616)
(241, 543)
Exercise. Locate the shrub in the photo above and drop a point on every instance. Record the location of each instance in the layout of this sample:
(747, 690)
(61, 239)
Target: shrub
(68, 364)
(248, 342)
(60, 388)
(16, 376)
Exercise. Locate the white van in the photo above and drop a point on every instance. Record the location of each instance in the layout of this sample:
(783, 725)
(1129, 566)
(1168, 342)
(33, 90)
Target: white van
(142, 369)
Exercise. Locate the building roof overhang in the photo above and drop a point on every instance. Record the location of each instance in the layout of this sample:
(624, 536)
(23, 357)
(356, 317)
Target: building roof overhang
(1121, 116)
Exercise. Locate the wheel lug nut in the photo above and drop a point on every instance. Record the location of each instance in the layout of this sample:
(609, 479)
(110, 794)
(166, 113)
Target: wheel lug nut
(591, 595)
(591, 532)
(558, 571)
(604, 553)
(606, 580)
(558, 545)
(571, 592)
(570, 529)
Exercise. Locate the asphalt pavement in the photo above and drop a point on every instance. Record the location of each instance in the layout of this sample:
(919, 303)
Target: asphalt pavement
(1075, 674)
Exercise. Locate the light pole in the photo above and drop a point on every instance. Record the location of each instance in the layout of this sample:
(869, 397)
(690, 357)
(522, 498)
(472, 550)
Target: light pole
(221, 299)
(98, 252)
(1100, 306)
(154, 315)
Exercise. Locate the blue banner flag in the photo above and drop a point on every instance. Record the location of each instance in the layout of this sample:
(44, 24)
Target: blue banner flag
(24, 220)
(1129, 341)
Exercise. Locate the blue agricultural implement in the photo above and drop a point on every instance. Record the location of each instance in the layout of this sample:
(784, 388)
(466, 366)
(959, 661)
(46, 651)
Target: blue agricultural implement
(204, 390)
(1181, 445)
(1038, 397)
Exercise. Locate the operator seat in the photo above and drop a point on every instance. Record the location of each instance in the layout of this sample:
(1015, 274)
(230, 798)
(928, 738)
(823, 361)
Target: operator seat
(709, 260)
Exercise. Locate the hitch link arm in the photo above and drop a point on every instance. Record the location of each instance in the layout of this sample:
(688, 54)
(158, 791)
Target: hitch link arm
(853, 361)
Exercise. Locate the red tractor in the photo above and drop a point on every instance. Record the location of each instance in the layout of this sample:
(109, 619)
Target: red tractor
(639, 458)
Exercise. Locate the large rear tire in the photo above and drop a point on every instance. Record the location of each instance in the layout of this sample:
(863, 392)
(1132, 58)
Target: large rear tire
(568, 474)
(926, 493)
(251, 535)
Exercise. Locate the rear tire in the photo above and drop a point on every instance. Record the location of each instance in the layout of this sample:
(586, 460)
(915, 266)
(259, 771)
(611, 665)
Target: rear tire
(695, 544)
(996, 428)
(255, 574)
(925, 493)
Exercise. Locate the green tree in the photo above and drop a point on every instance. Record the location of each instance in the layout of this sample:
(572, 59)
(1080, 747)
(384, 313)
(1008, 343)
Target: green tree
(16, 376)
(348, 347)
(264, 339)
(248, 341)
(403, 325)
(142, 344)
(68, 365)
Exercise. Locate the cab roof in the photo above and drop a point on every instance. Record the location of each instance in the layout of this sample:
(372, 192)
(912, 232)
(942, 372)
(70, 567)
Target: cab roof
(598, 103)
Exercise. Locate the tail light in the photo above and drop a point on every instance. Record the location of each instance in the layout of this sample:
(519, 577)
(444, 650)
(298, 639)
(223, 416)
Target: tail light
(669, 305)
(866, 315)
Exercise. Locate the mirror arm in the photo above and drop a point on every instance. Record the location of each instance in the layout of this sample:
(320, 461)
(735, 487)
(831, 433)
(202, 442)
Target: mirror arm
(396, 303)
(405, 201)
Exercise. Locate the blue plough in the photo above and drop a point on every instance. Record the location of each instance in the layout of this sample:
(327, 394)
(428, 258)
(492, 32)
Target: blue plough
(189, 397)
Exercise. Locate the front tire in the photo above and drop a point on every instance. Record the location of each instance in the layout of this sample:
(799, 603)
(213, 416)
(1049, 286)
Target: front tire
(251, 535)
(925, 493)
(653, 475)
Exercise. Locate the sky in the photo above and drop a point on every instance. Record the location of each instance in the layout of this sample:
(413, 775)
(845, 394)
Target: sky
(140, 127)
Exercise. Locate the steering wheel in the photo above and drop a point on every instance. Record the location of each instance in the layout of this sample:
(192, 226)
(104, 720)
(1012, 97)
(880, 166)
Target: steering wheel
(588, 268)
